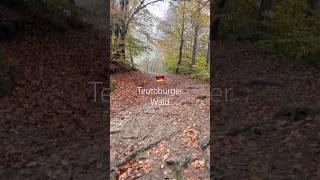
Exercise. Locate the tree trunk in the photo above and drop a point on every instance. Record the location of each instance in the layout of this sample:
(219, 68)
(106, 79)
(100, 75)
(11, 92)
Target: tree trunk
(218, 7)
(120, 47)
(131, 58)
(181, 39)
(195, 44)
(123, 52)
(208, 50)
(195, 37)
(120, 53)
(265, 6)
(208, 53)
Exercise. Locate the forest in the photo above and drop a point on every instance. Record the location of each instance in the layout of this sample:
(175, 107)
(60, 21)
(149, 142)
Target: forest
(259, 58)
(288, 28)
(160, 129)
(266, 53)
(180, 38)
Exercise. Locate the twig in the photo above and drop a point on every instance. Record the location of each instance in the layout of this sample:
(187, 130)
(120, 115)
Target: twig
(142, 149)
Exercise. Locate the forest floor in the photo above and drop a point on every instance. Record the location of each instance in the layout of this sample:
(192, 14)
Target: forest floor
(50, 127)
(174, 137)
(269, 126)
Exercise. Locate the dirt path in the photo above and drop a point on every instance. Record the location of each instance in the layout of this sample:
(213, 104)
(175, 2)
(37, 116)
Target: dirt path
(176, 157)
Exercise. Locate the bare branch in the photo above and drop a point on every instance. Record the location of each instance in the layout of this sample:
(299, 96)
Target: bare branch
(141, 6)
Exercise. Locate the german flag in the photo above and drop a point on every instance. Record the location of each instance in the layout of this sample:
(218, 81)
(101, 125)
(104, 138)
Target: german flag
(159, 79)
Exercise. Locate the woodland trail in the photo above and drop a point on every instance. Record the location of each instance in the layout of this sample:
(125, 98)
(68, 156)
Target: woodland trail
(185, 154)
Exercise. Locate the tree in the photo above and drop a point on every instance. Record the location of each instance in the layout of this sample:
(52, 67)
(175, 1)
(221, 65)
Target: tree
(124, 13)
(208, 51)
(195, 44)
(198, 17)
(185, 35)
(135, 46)
(265, 6)
(218, 8)
(196, 35)
(181, 36)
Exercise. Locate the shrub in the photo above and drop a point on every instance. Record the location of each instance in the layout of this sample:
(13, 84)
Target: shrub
(291, 33)
(298, 47)
(201, 70)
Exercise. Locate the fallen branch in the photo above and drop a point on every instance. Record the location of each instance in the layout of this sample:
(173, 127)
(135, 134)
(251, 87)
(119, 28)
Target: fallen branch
(262, 83)
(233, 131)
(143, 149)
(115, 131)
(192, 87)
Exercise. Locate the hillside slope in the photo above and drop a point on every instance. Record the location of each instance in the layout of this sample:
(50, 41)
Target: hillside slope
(50, 126)
(268, 126)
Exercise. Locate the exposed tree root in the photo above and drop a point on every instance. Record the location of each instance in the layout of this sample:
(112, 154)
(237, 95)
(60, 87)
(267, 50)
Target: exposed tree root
(204, 144)
(143, 149)
(233, 131)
